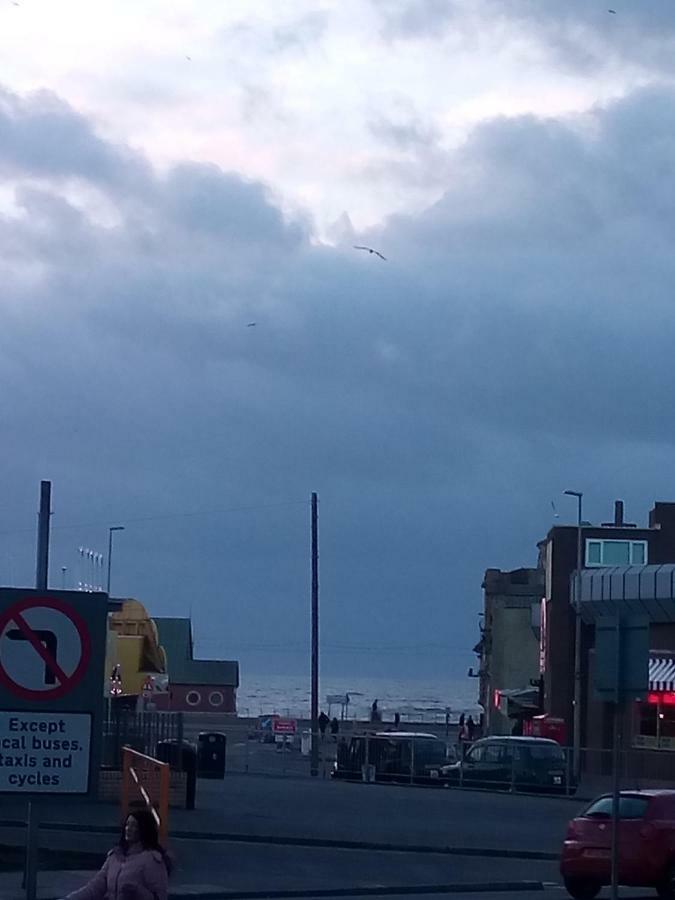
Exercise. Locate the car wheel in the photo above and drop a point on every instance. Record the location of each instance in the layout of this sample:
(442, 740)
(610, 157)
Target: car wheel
(581, 889)
(666, 889)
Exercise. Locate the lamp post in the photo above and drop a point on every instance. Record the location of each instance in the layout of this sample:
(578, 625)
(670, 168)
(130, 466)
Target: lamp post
(577, 641)
(110, 534)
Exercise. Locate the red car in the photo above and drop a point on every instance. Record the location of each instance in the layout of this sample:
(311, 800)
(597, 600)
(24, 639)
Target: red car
(646, 845)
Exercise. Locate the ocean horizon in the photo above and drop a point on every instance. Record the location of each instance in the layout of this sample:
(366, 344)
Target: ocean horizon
(414, 700)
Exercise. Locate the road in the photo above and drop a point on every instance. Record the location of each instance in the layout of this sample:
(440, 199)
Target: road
(254, 833)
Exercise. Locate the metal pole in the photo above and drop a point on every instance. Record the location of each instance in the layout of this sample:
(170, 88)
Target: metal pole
(30, 873)
(110, 545)
(110, 532)
(576, 713)
(616, 759)
(42, 562)
(314, 764)
(577, 650)
(616, 799)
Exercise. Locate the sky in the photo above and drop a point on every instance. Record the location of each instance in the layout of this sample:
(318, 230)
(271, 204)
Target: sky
(172, 172)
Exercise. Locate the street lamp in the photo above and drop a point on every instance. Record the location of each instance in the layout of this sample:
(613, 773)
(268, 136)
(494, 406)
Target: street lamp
(577, 640)
(110, 534)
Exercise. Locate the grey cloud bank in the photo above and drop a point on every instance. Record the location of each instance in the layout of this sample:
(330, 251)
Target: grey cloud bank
(516, 343)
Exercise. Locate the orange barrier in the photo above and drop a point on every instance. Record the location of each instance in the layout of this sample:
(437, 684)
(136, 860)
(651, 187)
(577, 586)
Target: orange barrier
(145, 782)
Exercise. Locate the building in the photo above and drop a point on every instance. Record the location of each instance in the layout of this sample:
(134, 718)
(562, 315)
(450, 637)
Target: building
(195, 685)
(133, 653)
(509, 647)
(607, 550)
(647, 591)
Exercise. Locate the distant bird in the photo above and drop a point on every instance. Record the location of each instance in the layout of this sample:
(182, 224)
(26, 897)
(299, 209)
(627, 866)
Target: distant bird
(189, 58)
(370, 250)
(251, 324)
(612, 11)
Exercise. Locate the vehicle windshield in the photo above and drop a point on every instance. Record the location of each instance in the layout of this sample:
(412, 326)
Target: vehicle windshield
(547, 751)
(429, 751)
(629, 808)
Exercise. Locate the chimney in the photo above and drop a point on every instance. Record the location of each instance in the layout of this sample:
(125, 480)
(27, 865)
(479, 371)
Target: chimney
(618, 518)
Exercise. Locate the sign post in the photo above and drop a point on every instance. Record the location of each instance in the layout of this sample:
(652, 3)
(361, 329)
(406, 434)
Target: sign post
(621, 671)
(52, 653)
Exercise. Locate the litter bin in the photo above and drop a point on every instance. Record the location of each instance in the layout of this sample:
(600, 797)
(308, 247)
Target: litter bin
(211, 750)
(182, 757)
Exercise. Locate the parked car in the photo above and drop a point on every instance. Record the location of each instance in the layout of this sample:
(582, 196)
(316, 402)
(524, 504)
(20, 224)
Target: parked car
(512, 763)
(391, 756)
(646, 845)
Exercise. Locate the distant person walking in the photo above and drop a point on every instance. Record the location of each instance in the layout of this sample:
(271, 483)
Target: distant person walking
(323, 724)
(397, 720)
(374, 712)
(334, 728)
(471, 728)
(136, 869)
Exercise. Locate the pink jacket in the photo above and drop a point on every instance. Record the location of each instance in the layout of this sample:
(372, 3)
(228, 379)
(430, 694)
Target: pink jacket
(128, 876)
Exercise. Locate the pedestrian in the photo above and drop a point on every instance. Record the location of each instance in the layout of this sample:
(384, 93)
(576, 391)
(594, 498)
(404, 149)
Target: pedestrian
(397, 720)
(334, 727)
(323, 724)
(137, 868)
(471, 728)
(374, 712)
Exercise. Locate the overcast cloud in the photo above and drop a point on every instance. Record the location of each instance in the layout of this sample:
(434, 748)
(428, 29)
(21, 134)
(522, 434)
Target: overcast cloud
(516, 342)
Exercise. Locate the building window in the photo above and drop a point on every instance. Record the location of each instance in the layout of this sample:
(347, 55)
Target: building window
(193, 698)
(616, 553)
(216, 698)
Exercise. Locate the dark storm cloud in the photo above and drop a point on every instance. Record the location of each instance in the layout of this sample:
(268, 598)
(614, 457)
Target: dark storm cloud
(517, 341)
(584, 35)
(579, 34)
(42, 135)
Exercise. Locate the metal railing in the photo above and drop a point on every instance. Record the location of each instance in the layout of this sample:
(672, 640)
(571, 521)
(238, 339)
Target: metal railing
(140, 730)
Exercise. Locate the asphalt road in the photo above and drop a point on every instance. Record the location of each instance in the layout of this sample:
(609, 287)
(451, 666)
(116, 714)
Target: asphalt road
(318, 809)
(222, 843)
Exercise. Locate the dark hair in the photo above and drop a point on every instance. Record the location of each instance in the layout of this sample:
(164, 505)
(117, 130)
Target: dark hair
(148, 835)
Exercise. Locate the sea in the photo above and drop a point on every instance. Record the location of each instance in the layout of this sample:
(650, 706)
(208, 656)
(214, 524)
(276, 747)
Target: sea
(415, 701)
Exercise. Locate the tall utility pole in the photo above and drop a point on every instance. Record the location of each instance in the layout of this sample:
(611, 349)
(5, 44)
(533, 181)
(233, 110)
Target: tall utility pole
(577, 642)
(315, 636)
(42, 561)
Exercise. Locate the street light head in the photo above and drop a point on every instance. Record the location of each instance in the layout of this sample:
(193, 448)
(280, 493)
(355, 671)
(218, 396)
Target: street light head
(116, 528)
(573, 493)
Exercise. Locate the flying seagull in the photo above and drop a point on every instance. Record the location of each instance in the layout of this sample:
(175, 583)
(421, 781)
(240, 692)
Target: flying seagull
(251, 324)
(370, 250)
(612, 11)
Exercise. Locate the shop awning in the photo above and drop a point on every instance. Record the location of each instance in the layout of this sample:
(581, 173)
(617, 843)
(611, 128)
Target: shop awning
(661, 674)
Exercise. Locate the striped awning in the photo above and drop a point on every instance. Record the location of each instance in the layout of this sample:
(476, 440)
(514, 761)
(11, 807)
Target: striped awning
(661, 674)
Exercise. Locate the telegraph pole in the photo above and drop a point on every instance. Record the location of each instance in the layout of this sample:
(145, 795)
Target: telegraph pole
(42, 561)
(314, 769)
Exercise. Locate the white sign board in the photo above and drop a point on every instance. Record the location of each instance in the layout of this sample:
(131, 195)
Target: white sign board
(45, 752)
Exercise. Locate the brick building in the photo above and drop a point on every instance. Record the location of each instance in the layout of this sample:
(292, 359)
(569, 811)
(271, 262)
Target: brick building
(195, 685)
(604, 548)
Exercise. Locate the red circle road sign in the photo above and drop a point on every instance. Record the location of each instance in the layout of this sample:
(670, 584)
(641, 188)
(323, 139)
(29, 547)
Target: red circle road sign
(63, 681)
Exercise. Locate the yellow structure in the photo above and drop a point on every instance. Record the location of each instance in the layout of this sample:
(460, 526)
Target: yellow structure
(133, 646)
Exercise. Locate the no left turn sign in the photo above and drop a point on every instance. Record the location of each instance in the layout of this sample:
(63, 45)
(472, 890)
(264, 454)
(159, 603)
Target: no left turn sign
(45, 648)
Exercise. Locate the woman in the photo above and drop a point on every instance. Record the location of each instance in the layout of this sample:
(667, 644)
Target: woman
(137, 869)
